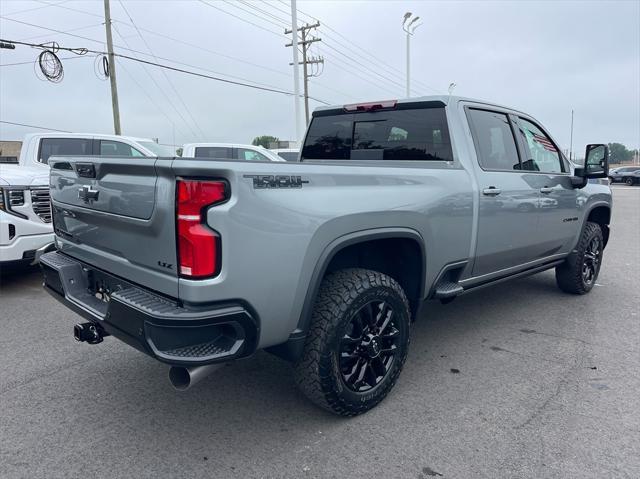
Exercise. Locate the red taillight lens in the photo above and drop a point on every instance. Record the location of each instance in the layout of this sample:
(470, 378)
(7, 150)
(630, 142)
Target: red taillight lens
(198, 245)
(376, 105)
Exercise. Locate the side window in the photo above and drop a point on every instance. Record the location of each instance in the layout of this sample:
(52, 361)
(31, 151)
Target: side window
(541, 154)
(64, 147)
(117, 148)
(251, 155)
(217, 152)
(493, 139)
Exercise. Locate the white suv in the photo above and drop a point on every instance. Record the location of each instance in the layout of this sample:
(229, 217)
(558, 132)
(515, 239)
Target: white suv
(229, 151)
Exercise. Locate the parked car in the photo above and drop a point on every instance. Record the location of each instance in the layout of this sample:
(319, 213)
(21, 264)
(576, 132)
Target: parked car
(229, 151)
(25, 214)
(328, 261)
(38, 147)
(629, 175)
(289, 154)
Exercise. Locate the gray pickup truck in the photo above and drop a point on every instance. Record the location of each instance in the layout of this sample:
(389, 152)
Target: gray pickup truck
(326, 261)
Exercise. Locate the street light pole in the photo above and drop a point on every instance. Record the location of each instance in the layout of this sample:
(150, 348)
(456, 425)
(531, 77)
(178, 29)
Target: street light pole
(409, 26)
(296, 73)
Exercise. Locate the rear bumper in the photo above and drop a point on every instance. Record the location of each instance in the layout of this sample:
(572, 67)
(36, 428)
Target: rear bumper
(160, 327)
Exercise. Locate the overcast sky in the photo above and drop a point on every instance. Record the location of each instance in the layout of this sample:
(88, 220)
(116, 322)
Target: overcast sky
(543, 57)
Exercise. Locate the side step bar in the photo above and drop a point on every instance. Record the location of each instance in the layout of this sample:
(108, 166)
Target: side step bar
(447, 290)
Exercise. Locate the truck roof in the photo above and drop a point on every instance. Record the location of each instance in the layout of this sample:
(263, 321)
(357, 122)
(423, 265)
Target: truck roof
(444, 99)
(102, 136)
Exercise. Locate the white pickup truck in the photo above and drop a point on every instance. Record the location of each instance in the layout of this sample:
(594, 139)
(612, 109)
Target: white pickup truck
(25, 211)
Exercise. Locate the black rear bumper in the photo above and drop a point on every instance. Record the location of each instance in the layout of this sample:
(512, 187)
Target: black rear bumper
(158, 326)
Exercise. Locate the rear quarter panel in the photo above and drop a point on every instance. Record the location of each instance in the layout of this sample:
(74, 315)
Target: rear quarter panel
(272, 239)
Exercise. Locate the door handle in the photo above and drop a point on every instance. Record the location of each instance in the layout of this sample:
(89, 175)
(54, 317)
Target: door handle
(491, 191)
(546, 190)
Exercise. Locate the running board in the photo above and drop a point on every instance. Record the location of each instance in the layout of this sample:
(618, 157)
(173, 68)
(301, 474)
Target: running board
(447, 290)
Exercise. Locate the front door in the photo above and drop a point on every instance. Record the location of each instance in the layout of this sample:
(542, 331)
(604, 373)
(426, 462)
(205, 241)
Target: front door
(549, 173)
(508, 202)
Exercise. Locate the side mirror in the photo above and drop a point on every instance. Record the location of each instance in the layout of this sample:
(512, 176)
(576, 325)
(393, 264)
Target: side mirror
(596, 161)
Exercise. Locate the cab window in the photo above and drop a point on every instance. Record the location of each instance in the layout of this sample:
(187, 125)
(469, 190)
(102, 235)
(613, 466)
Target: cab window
(64, 147)
(493, 139)
(251, 155)
(540, 152)
(117, 148)
(217, 152)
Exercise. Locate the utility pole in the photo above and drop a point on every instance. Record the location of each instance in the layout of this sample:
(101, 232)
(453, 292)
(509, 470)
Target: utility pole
(296, 73)
(409, 26)
(571, 140)
(305, 42)
(112, 70)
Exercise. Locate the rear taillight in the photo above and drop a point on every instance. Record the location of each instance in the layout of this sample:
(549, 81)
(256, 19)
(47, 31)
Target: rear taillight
(198, 245)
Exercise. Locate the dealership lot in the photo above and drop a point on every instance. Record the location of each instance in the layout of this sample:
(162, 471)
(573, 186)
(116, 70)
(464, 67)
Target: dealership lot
(547, 385)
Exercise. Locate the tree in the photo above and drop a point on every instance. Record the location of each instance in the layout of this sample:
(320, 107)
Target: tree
(618, 153)
(264, 140)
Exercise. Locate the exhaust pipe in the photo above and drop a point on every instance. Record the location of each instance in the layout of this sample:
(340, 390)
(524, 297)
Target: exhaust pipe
(183, 378)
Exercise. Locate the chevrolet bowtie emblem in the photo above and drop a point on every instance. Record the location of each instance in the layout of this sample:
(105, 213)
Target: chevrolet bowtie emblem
(87, 194)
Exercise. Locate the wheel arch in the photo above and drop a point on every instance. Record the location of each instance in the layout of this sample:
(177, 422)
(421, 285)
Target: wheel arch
(344, 252)
(599, 213)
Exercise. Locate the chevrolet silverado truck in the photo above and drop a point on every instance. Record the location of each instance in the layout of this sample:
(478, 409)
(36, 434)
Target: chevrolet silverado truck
(325, 261)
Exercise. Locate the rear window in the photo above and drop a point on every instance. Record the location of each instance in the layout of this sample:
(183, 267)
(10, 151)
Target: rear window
(288, 155)
(64, 147)
(219, 152)
(409, 134)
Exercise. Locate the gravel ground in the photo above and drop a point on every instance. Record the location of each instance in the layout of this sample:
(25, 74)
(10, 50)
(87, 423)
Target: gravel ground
(548, 386)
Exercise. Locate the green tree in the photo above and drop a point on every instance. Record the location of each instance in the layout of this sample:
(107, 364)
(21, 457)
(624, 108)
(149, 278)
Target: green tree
(618, 153)
(264, 140)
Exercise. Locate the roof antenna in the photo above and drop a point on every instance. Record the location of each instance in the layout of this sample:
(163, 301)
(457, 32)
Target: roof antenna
(451, 87)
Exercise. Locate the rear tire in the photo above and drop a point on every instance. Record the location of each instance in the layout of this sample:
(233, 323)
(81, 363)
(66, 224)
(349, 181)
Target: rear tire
(357, 342)
(579, 272)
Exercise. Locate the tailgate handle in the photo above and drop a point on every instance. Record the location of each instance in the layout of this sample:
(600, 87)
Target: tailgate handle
(86, 170)
(87, 193)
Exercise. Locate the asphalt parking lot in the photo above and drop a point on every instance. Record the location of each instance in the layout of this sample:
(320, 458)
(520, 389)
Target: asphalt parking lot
(548, 387)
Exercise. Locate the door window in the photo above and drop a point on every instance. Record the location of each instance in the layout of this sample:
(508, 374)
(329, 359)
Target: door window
(117, 148)
(64, 147)
(540, 152)
(217, 152)
(494, 140)
(251, 155)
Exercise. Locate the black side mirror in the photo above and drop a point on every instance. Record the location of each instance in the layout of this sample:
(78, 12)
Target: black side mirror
(596, 161)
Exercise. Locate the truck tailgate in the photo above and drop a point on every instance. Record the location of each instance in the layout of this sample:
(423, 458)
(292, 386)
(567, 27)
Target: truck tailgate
(118, 214)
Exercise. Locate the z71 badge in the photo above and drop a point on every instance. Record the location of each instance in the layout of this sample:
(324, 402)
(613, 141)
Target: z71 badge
(276, 181)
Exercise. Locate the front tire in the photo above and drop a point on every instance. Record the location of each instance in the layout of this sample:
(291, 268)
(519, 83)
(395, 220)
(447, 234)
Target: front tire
(357, 342)
(579, 272)
(628, 181)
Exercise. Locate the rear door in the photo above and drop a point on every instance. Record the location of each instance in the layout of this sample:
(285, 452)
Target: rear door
(118, 214)
(508, 200)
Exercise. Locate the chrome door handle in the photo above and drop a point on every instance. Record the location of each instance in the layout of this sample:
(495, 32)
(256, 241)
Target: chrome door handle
(491, 191)
(546, 190)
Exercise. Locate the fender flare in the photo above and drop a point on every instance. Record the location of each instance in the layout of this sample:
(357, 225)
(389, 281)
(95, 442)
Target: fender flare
(342, 242)
(588, 212)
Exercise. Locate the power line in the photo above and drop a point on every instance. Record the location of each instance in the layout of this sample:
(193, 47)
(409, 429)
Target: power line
(157, 86)
(169, 67)
(33, 126)
(242, 19)
(35, 8)
(177, 40)
(31, 62)
(285, 21)
(203, 135)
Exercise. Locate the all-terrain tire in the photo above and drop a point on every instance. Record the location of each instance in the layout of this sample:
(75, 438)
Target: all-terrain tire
(342, 297)
(570, 275)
